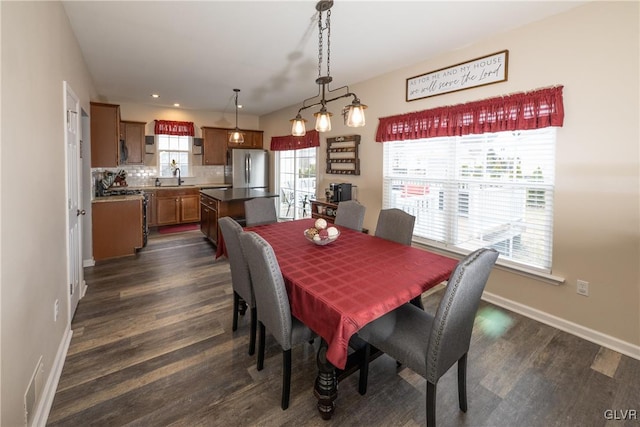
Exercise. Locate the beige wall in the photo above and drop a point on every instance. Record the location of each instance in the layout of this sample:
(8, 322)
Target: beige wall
(593, 51)
(39, 52)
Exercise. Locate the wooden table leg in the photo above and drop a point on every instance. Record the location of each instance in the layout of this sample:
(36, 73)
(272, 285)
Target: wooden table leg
(326, 386)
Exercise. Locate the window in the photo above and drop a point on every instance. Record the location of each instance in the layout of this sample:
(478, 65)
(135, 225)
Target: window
(173, 152)
(482, 190)
(297, 179)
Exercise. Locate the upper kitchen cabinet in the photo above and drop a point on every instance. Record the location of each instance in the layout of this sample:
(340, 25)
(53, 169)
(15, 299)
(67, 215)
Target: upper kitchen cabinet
(252, 139)
(132, 136)
(214, 146)
(105, 132)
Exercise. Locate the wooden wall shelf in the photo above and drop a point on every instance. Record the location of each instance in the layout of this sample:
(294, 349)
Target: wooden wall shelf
(342, 155)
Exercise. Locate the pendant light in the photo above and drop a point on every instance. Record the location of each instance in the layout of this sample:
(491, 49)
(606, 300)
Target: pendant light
(236, 136)
(353, 114)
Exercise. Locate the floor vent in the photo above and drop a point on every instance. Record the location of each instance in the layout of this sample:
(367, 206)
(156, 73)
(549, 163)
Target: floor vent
(31, 395)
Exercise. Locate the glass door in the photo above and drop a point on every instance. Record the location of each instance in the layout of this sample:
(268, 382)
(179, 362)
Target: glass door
(297, 180)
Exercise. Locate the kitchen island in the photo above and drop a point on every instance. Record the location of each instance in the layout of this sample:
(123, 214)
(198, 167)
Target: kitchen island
(216, 204)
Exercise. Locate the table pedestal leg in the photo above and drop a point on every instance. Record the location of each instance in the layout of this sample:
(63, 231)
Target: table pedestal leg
(326, 387)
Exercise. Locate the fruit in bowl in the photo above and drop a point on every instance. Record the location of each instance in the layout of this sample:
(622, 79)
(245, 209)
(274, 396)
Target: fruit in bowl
(321, 236)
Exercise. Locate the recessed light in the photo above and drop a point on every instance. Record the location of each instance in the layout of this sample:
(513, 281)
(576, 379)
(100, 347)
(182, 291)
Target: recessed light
(155, 95)
(176, 105)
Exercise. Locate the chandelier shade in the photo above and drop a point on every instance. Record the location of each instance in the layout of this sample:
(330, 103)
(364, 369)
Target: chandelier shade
(236, 137)
(353, 114)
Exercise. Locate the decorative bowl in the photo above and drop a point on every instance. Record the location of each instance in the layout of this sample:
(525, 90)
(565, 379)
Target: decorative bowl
(321, 242)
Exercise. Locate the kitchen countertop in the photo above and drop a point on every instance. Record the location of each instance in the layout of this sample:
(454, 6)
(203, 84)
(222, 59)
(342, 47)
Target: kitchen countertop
(232, 194)
(172, 186)
(110, 199)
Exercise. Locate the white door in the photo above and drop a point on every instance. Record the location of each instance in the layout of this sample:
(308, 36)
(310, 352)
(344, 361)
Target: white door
(74, 230)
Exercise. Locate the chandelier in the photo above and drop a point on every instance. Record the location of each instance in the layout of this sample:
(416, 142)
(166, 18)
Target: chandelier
(353, 114)
(236, 136)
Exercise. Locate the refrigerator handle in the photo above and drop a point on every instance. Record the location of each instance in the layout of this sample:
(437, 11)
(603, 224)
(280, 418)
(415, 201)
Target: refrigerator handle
(249, 168)
(246, 168)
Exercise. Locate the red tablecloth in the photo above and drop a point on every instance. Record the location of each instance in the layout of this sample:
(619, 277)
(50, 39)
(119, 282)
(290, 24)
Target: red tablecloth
(338, 288)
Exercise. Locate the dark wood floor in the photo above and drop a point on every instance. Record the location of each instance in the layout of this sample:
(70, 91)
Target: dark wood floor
(153, 346)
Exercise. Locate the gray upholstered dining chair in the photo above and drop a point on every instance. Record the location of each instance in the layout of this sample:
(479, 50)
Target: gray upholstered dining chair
(431, 344)
(274, 311)
(396, 225)
(260, 210)
(240, 278)
(350, 214)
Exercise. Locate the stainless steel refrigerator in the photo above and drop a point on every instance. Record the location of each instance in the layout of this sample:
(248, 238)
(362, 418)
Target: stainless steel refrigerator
(248, 168)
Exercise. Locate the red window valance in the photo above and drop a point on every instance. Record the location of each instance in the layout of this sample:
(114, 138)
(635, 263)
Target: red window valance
(168, 127)
(528, 110)
(290, 142)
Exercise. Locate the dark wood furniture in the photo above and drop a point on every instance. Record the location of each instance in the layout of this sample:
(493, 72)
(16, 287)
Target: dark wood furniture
(342, 155)
(215, 144)
(337, 289)
(177, 206)
(105, 132)
(326, 210)
(132, 133)
(215, 204)
(117, 226)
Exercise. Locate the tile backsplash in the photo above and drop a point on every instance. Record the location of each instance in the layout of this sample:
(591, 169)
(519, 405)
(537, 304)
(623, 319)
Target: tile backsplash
(143, 176)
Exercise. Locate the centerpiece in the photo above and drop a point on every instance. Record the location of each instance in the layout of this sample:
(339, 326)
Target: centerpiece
(321, 234)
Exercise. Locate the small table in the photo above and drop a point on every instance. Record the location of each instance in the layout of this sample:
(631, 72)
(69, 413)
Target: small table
(338, 288)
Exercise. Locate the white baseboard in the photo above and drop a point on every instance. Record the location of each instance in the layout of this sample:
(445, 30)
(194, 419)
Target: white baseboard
(49, 392)
(89, 262)
(596, 337)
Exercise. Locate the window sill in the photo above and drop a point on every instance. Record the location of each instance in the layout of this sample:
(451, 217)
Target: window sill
(501, 265)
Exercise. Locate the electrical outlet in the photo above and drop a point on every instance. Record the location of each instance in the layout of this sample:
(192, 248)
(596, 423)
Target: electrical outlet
(582, 288)
(56, 310)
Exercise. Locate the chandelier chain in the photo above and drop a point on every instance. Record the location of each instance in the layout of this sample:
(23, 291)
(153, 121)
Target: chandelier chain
(328, 42)
(321, 30)
(320, 44)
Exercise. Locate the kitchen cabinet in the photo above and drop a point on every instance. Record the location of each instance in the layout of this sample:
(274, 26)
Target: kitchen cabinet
(132, 133)
(218, 203)
(209, 217)
(177, 206)
(105, 135)
(252, 139)
(214, 146)
(116, 227)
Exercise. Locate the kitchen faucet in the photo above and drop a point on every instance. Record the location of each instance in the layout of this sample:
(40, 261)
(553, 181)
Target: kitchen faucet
(180, 181)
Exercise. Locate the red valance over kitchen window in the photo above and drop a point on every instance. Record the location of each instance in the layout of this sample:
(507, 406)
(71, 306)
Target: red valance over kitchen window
(290, 142)
(167, 127)
(528, 110)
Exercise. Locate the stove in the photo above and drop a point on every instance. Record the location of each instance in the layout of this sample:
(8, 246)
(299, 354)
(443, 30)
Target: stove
(123, 191)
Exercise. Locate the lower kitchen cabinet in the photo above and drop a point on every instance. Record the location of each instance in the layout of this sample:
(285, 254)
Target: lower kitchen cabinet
(177, 206)
(117, 228)
(209, 218)
(211, 209)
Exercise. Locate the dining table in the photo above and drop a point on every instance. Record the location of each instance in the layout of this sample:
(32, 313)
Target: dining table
(336, 289)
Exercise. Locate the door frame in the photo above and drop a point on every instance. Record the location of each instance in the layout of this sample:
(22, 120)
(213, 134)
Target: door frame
(73, 184)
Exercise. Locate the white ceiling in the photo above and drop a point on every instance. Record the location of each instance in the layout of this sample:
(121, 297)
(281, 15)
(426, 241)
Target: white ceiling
(196, 52)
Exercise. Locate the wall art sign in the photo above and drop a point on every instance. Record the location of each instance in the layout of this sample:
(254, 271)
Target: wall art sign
(481, 71)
